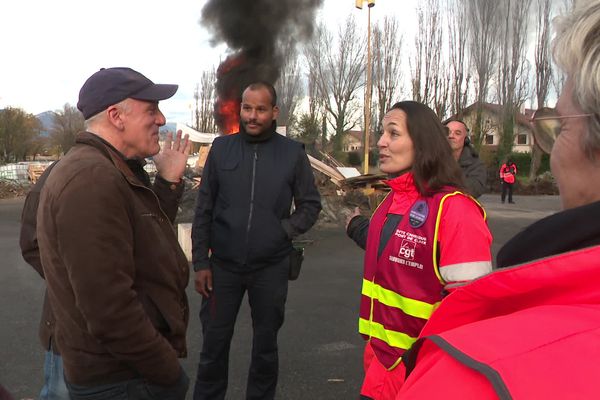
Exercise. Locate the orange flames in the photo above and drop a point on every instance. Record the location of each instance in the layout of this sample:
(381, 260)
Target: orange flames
(227, 106)
(228, 111)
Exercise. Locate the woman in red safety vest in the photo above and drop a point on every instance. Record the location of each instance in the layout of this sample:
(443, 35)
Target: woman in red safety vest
(424, 238)
(508, 172)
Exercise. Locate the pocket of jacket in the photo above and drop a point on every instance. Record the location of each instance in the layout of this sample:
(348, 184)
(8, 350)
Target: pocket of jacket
(229, 164)
(154, 313)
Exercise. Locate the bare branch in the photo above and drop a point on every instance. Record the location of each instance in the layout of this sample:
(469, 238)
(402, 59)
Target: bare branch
(387, 74)
(337, 68)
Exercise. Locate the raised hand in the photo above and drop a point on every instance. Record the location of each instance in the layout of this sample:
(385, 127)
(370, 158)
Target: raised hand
(172, 159)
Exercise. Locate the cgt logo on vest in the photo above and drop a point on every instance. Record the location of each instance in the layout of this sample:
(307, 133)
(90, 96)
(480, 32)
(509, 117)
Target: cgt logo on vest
(407, 250)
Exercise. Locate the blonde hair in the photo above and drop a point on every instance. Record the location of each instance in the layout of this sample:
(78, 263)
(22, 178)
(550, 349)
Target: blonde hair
(576, 49)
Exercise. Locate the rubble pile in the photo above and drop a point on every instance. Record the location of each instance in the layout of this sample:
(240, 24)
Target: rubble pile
(10, 189)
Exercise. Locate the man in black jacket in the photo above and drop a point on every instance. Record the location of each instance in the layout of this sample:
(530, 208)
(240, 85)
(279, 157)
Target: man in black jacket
(473, 168)
(243, 217)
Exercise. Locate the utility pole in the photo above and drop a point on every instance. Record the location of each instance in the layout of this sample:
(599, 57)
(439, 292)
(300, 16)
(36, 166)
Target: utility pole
(367, 107)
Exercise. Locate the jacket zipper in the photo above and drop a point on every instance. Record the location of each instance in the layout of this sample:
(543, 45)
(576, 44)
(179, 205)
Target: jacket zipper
(157, 200)
(255, 159)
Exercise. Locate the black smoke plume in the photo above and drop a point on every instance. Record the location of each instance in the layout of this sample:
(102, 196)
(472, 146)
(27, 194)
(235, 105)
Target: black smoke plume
(254, 31)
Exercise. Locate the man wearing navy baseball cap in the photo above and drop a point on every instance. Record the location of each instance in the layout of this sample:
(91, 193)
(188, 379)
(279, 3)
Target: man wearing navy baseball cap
(112, 85)
(115, 272)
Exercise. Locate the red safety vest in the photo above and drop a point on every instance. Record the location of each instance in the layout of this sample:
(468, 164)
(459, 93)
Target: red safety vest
(528, 332)
(507, 173)
(403, 286)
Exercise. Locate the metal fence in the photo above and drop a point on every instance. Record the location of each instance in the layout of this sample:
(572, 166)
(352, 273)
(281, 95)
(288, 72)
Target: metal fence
(19, 172)
(15, 172)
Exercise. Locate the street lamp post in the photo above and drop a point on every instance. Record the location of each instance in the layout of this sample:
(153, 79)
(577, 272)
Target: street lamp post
(367, 108)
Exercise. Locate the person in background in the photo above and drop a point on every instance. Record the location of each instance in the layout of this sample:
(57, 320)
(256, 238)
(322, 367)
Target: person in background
(424, 238)
(115, 273)
(530, 330)
(243, 217)
(508, 173)
(54, 387)
(474, 170)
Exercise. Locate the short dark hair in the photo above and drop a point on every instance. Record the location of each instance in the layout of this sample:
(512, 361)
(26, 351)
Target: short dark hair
(434, 166)
(264, 85)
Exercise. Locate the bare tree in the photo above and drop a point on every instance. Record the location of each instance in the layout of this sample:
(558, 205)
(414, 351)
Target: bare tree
(288, 86)
(387, 72)
(316, 111)
(484, 33)
(67, 123)
(558, 76)
(458, 34)
(430, 78)
(338, 67)
(204, 96)
(543, 70)
(512, 70)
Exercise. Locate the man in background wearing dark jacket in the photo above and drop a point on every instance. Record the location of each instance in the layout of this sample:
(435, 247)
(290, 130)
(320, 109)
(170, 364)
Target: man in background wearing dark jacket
(468, 159)
(243, 217)
(54, 387)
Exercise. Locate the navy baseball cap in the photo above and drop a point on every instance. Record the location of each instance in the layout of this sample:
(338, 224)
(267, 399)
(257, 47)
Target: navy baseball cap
(112, 85)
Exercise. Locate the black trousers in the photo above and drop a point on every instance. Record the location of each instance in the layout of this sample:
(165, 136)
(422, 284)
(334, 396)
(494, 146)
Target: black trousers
(267, 292)
(507, 187)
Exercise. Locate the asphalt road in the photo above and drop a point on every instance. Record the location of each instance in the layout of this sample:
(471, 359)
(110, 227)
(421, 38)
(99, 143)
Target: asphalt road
(320, 349)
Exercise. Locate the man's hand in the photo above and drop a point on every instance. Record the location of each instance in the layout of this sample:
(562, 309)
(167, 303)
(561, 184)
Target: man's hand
(349, 218)
(203, 281)
(172, 159)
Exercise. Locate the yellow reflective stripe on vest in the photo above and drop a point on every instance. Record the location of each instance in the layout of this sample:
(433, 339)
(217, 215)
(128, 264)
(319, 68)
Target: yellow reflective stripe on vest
(438, 218)
(392, 338)
(412, 307)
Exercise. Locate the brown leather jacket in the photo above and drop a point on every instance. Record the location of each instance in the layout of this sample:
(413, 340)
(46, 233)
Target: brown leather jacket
(115, 272)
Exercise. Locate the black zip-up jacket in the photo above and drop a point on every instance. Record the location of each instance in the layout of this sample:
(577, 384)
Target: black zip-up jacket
(243, 211)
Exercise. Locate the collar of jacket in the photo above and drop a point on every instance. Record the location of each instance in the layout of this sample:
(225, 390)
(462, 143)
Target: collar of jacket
(405, 193)
(567, 230)
(262, 137)
(117, 158)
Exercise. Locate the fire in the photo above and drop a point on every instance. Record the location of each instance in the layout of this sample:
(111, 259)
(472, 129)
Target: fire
(230, 63)
(228, 115)
(227, 106)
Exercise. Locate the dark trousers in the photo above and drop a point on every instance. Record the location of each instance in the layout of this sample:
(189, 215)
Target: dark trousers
(507, 187)
(267, 293)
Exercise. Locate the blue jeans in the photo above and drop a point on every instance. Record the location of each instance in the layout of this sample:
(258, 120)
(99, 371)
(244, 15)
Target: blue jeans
(135, 389)
(54, 382)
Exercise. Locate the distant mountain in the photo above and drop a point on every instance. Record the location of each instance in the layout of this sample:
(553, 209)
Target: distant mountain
(47, 120)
